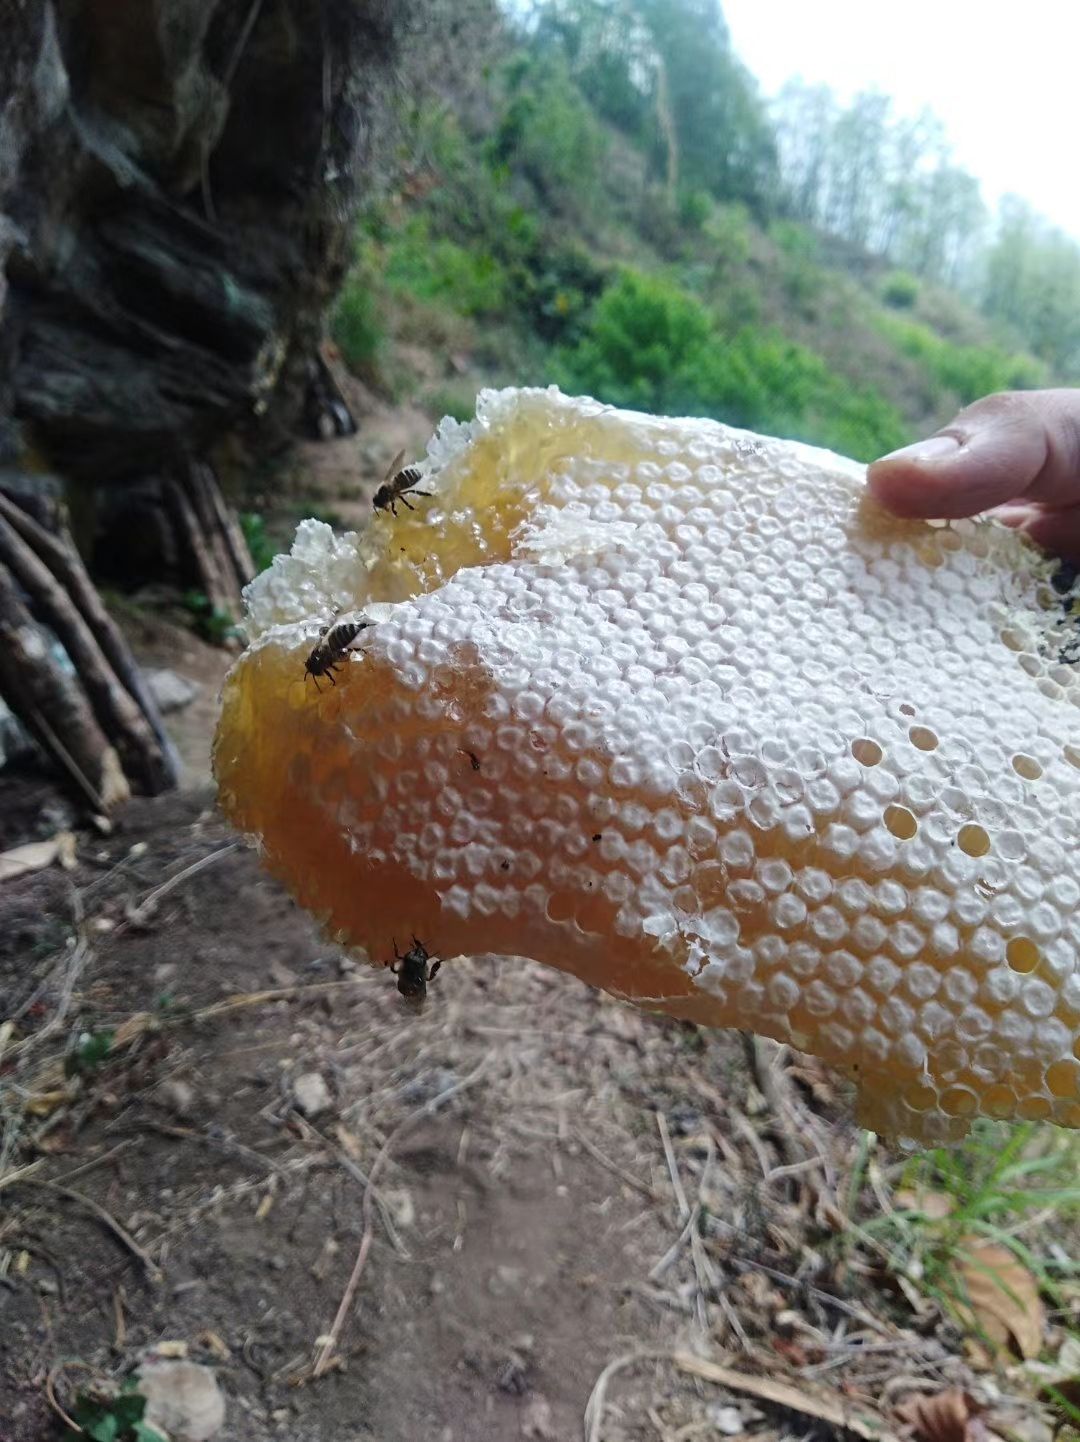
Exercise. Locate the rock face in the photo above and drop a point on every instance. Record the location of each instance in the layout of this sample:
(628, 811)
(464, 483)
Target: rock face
(176, 180)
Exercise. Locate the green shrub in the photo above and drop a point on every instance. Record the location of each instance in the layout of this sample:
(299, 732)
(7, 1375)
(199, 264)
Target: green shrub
(457, 401)
(729, 228)
(900, 290)
(651, 345)
(694, 208)
(642, 342)
(968, 372)
(550, 134)
(355, 325)
(258, 542)
(796, 241)
(469, 279)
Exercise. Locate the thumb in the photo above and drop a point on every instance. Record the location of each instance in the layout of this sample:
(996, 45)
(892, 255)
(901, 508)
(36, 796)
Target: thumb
(1013, 446)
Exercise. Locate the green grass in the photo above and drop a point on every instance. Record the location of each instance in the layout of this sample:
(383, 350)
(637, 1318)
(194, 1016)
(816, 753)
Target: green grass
(355, 324)
(1015, 1186)
(258, 542)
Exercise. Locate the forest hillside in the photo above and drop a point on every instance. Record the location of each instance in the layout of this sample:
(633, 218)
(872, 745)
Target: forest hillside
(596, 194)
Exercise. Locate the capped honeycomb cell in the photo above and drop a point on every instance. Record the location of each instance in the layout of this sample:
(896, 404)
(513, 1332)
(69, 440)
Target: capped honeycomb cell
(678, 709)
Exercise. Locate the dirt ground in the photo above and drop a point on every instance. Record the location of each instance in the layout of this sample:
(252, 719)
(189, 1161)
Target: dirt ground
(526, 1203)
(211, 1120)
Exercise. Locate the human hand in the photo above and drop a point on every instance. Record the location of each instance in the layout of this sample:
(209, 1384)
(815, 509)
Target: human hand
(1016, 454)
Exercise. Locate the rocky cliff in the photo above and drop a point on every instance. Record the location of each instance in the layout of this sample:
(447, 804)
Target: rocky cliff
(176, 184)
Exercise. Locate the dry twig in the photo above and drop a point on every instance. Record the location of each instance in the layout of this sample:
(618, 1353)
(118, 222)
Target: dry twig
(329, 1343)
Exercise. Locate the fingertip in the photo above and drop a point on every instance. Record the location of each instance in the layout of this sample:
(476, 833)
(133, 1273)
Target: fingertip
(924, 480)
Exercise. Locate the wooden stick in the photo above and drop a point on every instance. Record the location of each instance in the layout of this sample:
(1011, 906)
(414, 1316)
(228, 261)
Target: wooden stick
(116, 712)
(35, 688)
(62, 558)
(330, 1342)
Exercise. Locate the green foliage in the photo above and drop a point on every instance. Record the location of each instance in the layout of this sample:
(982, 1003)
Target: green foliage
(549, 133)
(457, 401)
(967, 372)
(89, 1052)
(210, 622)
(431, 267)
(729, 229)
(644, 339)
(651, 345)
(355, 324)
(258, 542)
(995, 1180)
(900, 290)
(693, 208)
(116, 1418)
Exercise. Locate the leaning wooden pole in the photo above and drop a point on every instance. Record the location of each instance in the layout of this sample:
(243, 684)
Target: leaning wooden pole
(160, 771)
(52, 705)
(115, 711)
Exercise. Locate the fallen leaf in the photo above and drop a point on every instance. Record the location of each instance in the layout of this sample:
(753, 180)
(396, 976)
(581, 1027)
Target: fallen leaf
(214, 1343)
(831, 1407)
(36, 855)
(998, 1298)
(950, 1416)
(934, 1205)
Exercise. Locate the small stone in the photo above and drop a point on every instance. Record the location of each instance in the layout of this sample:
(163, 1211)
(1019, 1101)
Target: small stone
(311, 1094)
(399, 1203)
(182, 1399)
(728, 1420)
(178, 1096)
(537, 1421)
(171, 691)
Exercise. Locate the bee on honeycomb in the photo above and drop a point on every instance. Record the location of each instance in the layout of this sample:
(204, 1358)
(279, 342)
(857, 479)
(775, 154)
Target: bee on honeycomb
(755, 753)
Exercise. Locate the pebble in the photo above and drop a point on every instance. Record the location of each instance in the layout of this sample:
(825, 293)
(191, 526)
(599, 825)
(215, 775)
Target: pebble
(311, 1094)
(182, 1399)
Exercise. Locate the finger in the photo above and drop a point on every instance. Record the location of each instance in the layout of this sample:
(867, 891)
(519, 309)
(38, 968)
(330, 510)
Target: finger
(1003, 448)
(1055, 531)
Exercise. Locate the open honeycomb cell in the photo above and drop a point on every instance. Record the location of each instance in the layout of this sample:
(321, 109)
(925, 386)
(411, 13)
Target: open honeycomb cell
(677, 709)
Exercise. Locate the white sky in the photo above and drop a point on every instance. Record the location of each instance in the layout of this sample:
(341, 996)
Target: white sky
(1003, 77)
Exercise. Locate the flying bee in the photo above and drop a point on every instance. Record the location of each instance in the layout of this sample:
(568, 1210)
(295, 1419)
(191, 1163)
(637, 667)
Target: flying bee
(329, 650)
(413, 974)
(396, 482)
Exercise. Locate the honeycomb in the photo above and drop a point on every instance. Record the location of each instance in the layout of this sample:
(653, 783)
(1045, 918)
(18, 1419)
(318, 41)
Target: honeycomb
(679, 710)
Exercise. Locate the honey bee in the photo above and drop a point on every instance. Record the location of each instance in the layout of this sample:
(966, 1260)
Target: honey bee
(396, 482)
(413, 974)
(329, 650)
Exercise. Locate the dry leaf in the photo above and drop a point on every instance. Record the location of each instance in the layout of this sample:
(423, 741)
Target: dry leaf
(831, 1407)
(19, 861)
(1001, 1297)
(951, 1416)
(935, 1205)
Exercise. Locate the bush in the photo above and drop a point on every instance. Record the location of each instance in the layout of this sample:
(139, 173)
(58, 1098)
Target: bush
(470, 279)
(355, 325)
(642, 342)
(258, 542)
(968, 372)
(550, 134)
(649, 344)
(694, 208)
(729, 229)
(455, 400)
(900, 290)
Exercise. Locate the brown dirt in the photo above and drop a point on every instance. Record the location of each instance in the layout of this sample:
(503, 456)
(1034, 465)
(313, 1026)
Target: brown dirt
(520, 1249)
